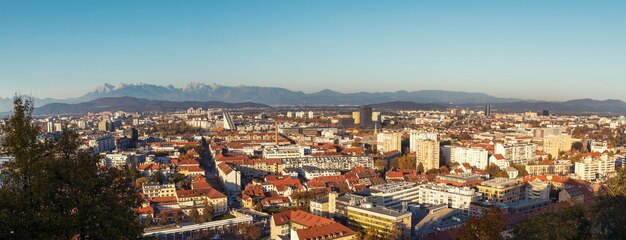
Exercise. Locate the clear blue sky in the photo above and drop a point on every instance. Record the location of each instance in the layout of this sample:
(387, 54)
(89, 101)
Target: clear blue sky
(551, 50)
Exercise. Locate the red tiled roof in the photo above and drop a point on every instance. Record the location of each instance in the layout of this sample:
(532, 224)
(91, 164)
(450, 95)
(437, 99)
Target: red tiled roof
(208, 192)
(330, 231)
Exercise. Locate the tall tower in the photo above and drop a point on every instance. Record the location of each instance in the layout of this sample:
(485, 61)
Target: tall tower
(276, 130)
(365, 117)
(228, 121)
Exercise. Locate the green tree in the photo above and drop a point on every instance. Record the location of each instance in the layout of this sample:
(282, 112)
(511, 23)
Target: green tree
(180, 180)
(54, 190)
(570, 223)
(521, 168)
(157, 177)
(420, 168)
(487, 227)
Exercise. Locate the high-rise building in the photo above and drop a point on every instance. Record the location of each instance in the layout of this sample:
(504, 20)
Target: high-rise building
(427, 153)
(106, 125)
(365, 115)
(389, 141)
(518, 153)
(420, 136)
(345, 122)
(477, 157)
(376, 117)
(134, 137)
(553, 145)
(488, 110)
(228, 121)
(50, 126)
(357, 117)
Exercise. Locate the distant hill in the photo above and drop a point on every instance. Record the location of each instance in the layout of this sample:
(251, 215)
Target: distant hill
(405, 105)
(131, 104)
(572, 106)
(275, 96)
(201, 92)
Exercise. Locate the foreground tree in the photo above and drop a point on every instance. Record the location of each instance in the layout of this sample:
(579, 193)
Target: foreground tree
(54, 190)
(610, 210)
(571, 223)
(487, 227)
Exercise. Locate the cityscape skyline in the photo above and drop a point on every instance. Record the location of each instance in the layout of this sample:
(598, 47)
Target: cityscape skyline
(530, 50)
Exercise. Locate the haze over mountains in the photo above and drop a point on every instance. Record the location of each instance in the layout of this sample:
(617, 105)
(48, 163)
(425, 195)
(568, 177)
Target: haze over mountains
(200, 92)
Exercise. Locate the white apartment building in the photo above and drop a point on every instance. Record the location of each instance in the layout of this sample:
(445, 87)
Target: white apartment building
(558, 168)
(342, 163)
(389, 141)
(392, 195)
(517, 153)
(594, 168)
(230, 177)
(439, 193)
(477, 157)
(103, 144)
(285, 151)
(310, 172)
(553, 145)
(420, 136)
(598, 146)
(116, 159)
(154, 189)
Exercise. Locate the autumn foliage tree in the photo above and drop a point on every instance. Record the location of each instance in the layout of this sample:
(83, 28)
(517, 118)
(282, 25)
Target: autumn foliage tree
(487, 227)
(570, 223)
(610, 210)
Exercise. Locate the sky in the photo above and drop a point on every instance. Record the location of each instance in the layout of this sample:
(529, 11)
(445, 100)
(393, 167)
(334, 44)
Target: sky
(549, 50)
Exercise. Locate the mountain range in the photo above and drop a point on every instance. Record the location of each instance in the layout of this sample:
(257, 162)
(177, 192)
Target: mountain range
(264, 95)
(200, 92)
(131, 104)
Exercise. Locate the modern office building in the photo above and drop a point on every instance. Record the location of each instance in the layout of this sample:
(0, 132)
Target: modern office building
(365, 116)
(394, 194)
(384, 220)
(500, 190)
(453, 197)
